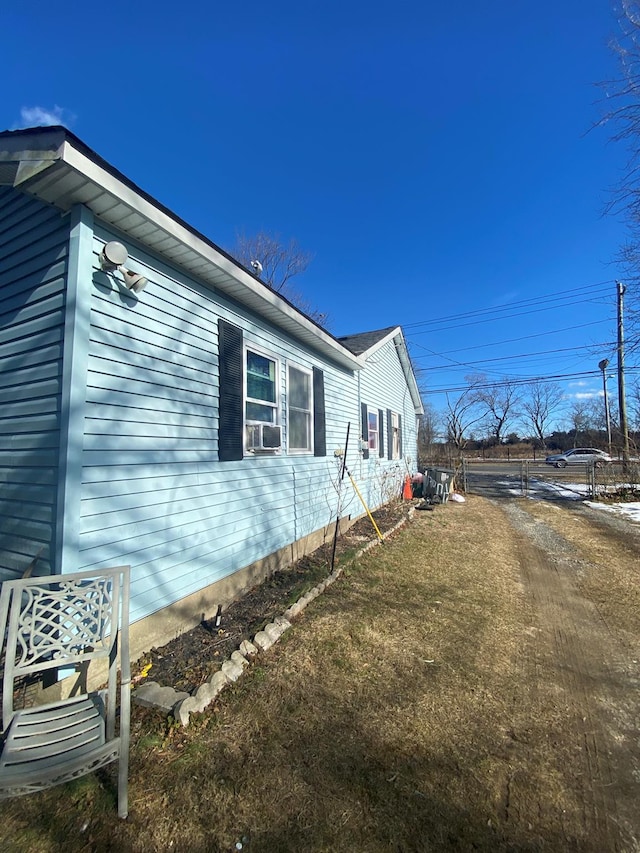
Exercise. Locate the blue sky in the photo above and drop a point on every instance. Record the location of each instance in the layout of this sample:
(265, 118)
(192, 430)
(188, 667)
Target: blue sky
(435, 158)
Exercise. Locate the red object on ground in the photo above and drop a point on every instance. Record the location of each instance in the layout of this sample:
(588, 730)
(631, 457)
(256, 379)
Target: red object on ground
(407, 492)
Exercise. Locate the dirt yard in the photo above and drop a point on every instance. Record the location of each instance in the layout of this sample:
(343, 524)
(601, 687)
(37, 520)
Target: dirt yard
(580, 665)
(471, 685)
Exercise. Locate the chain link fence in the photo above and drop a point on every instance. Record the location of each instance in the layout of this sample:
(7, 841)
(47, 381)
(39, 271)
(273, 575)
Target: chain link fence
(614, 479)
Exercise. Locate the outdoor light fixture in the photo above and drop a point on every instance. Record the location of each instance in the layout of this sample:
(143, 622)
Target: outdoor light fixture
(113, 257)
(133, 281)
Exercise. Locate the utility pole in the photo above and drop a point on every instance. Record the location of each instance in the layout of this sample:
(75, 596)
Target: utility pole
(622, 400)
(603, 367)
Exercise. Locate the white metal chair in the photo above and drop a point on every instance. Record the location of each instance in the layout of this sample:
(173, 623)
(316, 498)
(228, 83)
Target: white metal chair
(64, 621)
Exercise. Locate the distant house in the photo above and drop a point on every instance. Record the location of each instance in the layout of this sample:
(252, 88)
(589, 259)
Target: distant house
(189, 428)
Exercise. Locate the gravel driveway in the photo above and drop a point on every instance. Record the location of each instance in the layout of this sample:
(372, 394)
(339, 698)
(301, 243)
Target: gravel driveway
(579, 569)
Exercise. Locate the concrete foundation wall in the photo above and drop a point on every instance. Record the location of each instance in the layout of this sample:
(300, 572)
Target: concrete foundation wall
(169, 623)
(172, 621)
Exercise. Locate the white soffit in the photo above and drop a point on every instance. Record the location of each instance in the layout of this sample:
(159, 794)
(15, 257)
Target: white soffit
(67, 177)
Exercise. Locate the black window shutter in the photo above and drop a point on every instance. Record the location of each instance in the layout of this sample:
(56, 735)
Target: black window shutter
(319, 419)
(230, 438)
(365, 430)
(380, 432)
(400, 435)
(389, 435)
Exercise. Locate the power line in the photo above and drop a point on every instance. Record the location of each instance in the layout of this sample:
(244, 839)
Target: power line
(519, 381)
(493, 319)
(513, 340)
(455, 364)
(510, 357)
(550, 300)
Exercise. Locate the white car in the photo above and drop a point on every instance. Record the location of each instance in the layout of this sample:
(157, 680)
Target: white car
(579, 456)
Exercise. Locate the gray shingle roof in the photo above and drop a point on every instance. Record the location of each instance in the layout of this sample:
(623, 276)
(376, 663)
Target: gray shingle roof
(365, 340)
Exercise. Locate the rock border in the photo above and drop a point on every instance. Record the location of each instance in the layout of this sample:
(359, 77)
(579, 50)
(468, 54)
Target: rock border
(181, 705)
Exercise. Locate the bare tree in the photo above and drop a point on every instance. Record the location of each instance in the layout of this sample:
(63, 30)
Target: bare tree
(634, 404)
(276, 263)
(541, 401)
(279, 262)
(622, 115)
(427, 431)
(460, 415)
(581, 417)
(500, 401)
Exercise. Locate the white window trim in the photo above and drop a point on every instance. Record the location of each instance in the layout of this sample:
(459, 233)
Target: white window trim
(372, 411)
(249, 347)
(395, 435)
(300, 451)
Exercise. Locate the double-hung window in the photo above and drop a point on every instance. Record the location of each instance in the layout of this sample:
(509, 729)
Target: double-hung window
(261, 403)
(299, 410)
(395, 435)
(262, 430)
(250, 414)
(374, 429)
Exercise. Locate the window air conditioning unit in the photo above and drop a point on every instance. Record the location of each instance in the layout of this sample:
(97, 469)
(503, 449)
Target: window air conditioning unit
(264, 436)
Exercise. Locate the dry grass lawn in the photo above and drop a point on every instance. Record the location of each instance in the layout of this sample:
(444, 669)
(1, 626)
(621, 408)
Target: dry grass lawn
(384, 720)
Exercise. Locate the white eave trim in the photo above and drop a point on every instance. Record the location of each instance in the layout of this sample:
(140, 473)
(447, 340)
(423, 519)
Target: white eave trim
(397, 337)
(241, 285)
(259, 292)
(403, 354)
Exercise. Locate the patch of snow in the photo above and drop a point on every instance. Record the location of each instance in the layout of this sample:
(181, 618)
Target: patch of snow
(577, 491)
(568, 491)
(629, 510)
(539, 490)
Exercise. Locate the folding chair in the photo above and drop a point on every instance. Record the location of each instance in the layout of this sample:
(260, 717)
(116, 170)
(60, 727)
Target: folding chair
(64, 621)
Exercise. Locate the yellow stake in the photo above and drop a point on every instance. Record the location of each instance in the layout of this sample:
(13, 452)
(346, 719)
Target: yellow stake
(353, 483)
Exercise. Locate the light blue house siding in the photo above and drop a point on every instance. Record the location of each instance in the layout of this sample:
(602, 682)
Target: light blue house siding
(383, 389)
(383, 386)
(110, 429)
(388, 416)
(152, 491)
(34, 240)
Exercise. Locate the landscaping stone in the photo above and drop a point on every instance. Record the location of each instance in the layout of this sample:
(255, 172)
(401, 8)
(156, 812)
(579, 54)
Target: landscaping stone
(247, 648)
(238, 657)
(205, 694)
(218, 681)
(263, 641)
(294, 610)
(273, 631)
(183, 709)
(232, 670)
(154, 695)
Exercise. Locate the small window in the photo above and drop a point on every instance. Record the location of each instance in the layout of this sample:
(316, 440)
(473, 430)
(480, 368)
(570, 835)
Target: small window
(395, 435)
(299, 410)
(373, 430)
(261, 403)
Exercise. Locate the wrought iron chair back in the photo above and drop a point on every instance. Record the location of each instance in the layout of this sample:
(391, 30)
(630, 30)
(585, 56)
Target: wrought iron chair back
(65, 621)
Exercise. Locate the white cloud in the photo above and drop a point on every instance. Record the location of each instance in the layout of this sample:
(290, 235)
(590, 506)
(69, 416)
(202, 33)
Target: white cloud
(43, 117)
(588, 395)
